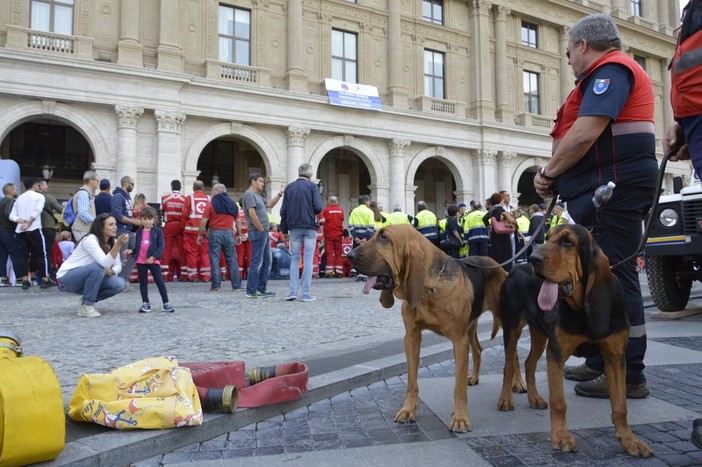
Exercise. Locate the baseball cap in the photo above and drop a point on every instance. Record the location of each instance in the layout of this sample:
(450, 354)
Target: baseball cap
(104, 184)
(462, 205)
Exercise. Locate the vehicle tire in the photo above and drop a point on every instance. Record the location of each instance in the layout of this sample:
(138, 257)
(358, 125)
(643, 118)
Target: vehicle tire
(669, 289)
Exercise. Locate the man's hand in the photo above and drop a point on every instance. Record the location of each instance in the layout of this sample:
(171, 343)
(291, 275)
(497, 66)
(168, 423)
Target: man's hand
(544, 188)
(199, 240)
(674, 140)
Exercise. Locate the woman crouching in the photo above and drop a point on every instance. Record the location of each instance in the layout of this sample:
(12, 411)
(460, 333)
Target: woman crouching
(93, 266)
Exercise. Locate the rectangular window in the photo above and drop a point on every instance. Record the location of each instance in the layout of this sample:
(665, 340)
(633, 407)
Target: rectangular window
(433, 11)
(52, 16)
(234, 35)
(434, 74)
(531, 93)
(344, 56)
(530, 37)
(640, 60)
(636, 7)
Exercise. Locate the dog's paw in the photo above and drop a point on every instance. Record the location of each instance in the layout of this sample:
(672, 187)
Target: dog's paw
(505, 404)
(563, 441)
(635, 447)
(460, 425)
(519, 387)
(472, 381)
(405, 416)
(537, 402)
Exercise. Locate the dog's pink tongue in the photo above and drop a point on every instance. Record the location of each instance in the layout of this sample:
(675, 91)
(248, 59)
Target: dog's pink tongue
(369, 284)
(548, 295)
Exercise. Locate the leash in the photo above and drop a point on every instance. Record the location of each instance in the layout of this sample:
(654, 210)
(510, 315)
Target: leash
(527, 244)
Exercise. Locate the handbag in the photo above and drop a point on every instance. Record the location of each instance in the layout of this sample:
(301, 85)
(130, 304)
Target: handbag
(501, 227)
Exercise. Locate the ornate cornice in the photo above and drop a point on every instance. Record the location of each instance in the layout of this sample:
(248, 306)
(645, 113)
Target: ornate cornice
(171, 122)
(485, 157)
(296, 136)
(128, 117)
(397, 146)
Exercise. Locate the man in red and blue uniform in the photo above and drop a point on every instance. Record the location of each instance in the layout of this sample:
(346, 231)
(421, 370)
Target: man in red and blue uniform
(604, 132)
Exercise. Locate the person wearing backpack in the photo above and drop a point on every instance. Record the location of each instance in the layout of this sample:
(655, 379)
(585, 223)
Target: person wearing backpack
(83, 205)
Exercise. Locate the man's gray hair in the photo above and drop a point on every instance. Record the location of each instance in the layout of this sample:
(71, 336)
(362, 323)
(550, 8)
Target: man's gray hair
(305, 170)
(397, 208)
(422, 205)
(89, 175)
(333, 199)
(219, 188)
(599, 30)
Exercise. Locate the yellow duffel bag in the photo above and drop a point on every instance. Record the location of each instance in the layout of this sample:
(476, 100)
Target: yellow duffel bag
(32, 420)
(153, 393)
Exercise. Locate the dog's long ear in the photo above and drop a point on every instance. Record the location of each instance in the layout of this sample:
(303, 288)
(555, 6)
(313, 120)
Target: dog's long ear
(414, 273)
(598, 292)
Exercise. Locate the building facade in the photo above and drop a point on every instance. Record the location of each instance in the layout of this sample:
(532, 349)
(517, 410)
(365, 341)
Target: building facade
(218, 90)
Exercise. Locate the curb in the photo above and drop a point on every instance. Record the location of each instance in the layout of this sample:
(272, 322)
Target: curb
(119, 448)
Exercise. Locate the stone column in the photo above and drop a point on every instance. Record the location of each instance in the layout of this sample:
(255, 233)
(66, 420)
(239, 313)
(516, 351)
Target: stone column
(567, 78)
(667, 86)
(169, 165)
(504, 111)
(397, 174)
(396, 93)
(127, 120)
(129, 49)
(297, 79)
(484, 173)
(504, 170)
(381, 194)
(483, 107)
(296, 150)
(620, 8)
(169, 50)
(409, 199)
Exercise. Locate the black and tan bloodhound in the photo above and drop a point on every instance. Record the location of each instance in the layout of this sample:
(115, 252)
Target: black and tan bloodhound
(439, 293)
(573, 305)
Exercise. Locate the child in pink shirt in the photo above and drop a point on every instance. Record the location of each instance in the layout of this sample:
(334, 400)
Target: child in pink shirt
(149, 246)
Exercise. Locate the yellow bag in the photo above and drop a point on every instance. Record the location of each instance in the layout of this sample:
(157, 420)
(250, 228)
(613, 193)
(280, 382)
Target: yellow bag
(153, 393)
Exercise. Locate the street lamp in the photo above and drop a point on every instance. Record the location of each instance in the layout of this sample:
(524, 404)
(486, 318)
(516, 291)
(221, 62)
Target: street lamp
(215, 180)
(47, 171)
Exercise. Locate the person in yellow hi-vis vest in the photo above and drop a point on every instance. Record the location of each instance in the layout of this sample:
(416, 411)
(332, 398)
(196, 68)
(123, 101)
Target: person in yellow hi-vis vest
(520, 237)
(425, 222)
(557, 217)
(397, 216)
(475, 231)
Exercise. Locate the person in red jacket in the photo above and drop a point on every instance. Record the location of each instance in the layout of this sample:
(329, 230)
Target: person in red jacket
(171, 212)
(332, 220)
(197, 256)
(604, 132)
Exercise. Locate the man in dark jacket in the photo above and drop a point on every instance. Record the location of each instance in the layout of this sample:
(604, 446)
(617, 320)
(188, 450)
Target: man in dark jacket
(298, 215)
(103, 200)
(122, 210)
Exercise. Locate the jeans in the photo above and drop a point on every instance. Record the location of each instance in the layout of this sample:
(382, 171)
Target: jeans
(478, 247)
(10, 247)
(261, 262)
(92, 282)
(308, 238)
(157, 274)
(223, 240)
(128, 264)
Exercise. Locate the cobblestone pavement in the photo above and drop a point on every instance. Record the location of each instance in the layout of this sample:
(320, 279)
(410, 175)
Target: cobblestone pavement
(364, 417)
(214, 326)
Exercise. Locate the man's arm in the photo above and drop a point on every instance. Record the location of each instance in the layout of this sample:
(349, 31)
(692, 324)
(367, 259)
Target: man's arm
(255, 220)
(83, 206)
(201, 229)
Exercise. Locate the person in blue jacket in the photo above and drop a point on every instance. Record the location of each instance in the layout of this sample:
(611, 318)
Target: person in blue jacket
(149, 248)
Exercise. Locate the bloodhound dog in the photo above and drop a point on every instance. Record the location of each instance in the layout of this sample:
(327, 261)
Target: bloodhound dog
(573, 305)
(439, 293)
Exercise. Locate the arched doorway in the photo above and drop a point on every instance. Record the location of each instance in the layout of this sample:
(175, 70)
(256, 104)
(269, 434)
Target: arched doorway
(230, 160)
(50, 149)
(344, 175)
(435, 185)
(525, 187)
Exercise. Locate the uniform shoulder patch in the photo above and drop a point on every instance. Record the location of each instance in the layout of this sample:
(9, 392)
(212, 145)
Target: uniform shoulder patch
(600, 86)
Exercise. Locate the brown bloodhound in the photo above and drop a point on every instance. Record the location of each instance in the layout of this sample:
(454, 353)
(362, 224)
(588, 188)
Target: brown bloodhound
(439, 293)
(573, 305)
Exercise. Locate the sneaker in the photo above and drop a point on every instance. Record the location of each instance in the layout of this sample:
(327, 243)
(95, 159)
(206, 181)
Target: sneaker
(598, 388)
(256, 295)
(88, 311)
(291, 296)
(167, 307)
(214, 289)
(268, 293)
(26, 284)
(48, 282)
(308, 298)
(145, 307)
(580, 373)
(238, 289)
(5, 283)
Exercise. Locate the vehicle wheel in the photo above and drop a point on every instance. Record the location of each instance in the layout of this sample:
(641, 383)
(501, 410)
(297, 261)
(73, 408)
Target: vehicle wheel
(669, 289)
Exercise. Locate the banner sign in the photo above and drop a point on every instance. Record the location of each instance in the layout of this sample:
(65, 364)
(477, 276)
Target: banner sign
(358, 96)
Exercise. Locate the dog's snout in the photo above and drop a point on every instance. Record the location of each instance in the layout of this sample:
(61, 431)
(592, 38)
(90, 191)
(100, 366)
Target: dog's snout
(536, 258)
